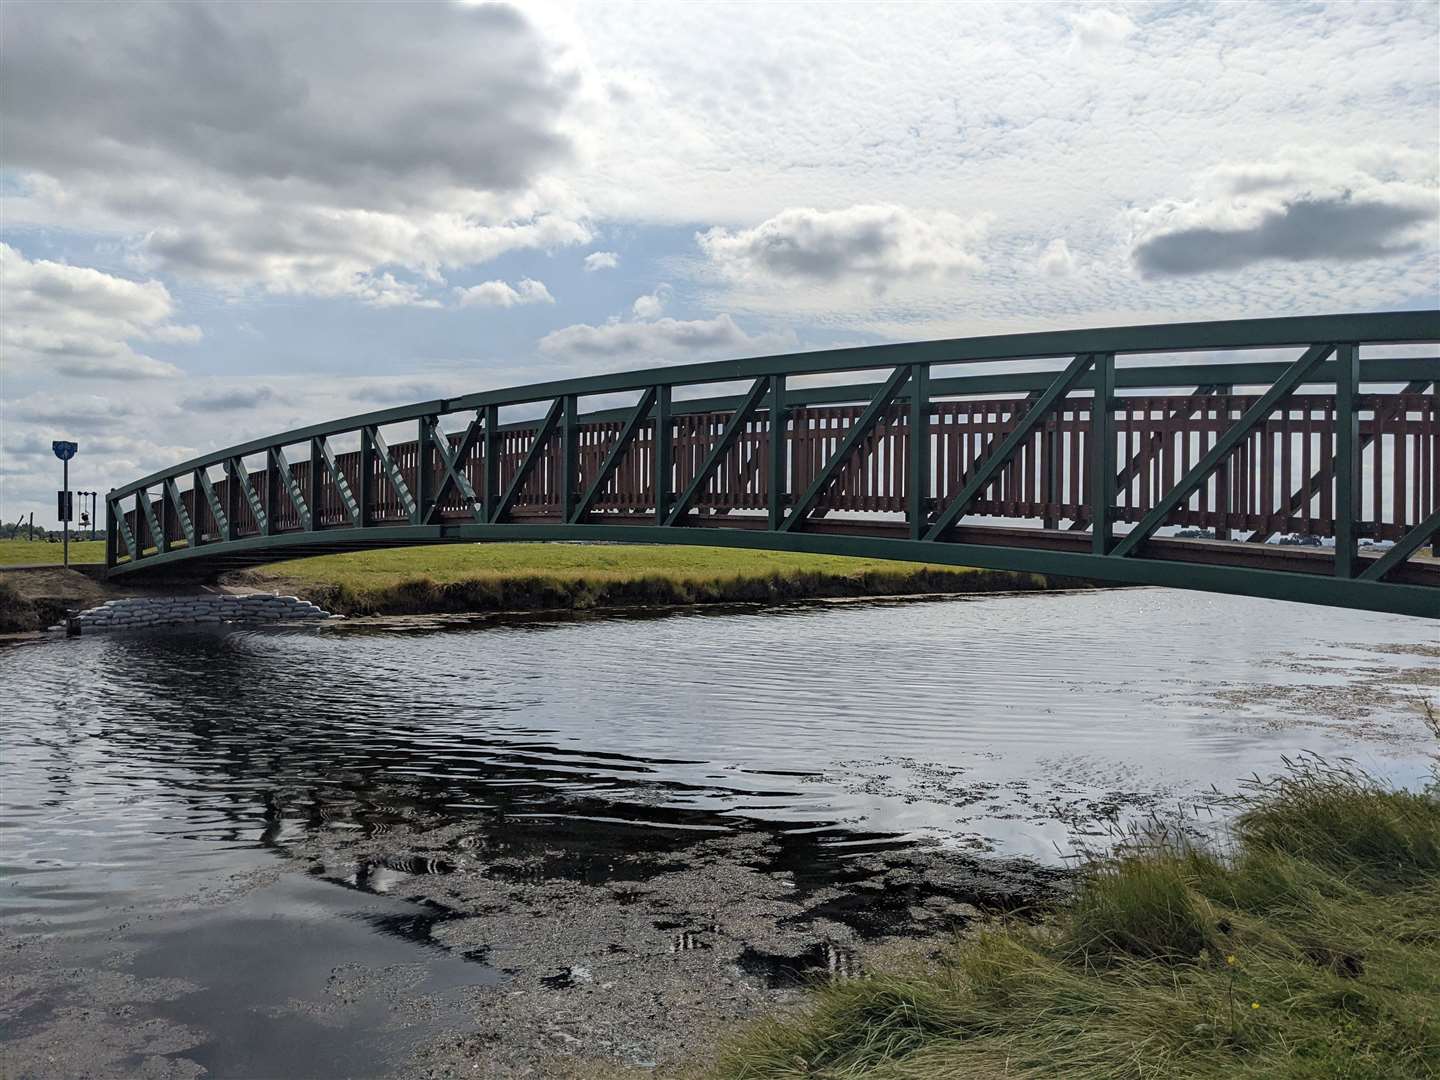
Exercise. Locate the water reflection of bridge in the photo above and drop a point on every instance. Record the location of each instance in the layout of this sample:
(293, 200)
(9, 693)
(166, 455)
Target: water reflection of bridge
(1068, 453)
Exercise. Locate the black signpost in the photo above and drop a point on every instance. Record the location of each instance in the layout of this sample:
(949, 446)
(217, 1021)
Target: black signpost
(64, 504)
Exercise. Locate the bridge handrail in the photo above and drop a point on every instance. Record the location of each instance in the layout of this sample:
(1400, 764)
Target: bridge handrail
(1374, 328)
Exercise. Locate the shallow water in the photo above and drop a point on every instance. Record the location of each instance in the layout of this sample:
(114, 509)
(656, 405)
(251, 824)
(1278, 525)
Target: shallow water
(145, 774)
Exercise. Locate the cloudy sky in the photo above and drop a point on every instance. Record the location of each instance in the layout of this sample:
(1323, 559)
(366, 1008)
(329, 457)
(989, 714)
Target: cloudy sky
(224, 220)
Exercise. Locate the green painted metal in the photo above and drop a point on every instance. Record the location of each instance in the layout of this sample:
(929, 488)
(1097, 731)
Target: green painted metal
(217, 512)
(317, 465)
(778, 477)
(177, 505)
(569, 455)
(1281, 389)
(532, 458)
(1102, 456)
(612, 459)
(1401, 599)
(918, 481)
(664, 462)
(996, 457)
(733, 427)
(162, 542)
(241, 477)
(425, 454)
(1347, 459)
(490, 453)
(341, 485)
(452, 464)
(1402, 327)
(1406, 546)
(840, 459)
(442, 468)
(281, 468)
(395, 476)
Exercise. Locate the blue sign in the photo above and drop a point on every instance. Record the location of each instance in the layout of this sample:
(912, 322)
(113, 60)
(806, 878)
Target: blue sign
(64, 450)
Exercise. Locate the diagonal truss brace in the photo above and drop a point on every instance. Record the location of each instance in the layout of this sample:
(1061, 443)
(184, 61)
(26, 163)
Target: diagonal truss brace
(532, 458)
(392, 472)
(240, 476)
(281, 468)
(187, 524)
(612, 459)
(337, 477)
(1406, 546)
(452, 464)
(995, 460)
(840, 459)
(142, 499)
(217, 512)
(738, 419)
(118, 516)
(1282, 388)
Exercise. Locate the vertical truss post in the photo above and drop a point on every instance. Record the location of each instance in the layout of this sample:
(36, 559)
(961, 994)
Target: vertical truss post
(1347, 458)
(1222, 474)
(317, 462)
(664, 463)
(272, 482)
(569, 457)
(490, 487)
(1102, 455)
(919, 463)
(365, 476)
(425, 434)
(775, 481)
(232, 499)
(110, 538)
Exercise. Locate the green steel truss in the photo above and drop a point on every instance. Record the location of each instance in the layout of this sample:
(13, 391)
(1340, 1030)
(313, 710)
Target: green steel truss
(677, 466)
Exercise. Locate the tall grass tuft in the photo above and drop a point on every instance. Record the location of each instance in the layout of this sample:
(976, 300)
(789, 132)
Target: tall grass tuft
(1310, 949)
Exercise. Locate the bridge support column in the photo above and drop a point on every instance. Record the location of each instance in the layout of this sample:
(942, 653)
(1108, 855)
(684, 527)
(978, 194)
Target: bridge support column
(317, 462)
(569, 458)
(425, 434)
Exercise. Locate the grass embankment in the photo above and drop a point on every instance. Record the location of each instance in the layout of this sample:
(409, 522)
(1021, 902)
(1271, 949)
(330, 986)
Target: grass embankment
(23, 552)
(513, 577)
(1312, 950)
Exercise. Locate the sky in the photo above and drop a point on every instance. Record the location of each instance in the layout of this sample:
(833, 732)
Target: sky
(223, 220)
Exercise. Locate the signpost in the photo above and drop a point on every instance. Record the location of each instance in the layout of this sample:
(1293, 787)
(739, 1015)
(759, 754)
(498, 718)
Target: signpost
(65, 451)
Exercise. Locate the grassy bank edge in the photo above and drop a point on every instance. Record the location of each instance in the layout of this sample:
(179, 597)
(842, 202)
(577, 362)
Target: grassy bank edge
(1310, 948)
(421, 595)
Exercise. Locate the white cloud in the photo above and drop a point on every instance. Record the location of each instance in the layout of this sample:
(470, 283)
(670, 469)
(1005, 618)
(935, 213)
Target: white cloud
(1303, 204)
(1098, 27)
(77, 321)
(652, 304)
(601, 260)
(503, 294)
(878, 245)
(1056, 260)
(662, 341)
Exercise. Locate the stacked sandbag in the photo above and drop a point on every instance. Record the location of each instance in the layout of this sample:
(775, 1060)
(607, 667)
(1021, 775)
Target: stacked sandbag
(140, 612)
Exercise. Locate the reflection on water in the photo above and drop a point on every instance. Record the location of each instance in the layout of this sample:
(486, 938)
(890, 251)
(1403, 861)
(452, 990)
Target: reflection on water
(147, 769)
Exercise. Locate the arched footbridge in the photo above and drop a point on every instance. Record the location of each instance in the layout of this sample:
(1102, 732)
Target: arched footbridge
(1169, 455)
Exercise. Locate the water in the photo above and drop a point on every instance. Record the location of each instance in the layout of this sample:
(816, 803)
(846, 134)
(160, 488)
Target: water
(173, 803)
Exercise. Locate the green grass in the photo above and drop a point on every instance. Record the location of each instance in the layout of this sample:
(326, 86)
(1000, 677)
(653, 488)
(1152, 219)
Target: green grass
(1311, 950)
(20, 552)
(487, 577)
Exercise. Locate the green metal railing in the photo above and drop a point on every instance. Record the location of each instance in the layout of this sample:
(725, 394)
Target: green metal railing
(1097, 456)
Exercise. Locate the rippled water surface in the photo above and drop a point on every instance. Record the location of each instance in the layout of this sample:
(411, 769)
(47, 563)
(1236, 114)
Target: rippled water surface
(141, 770)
